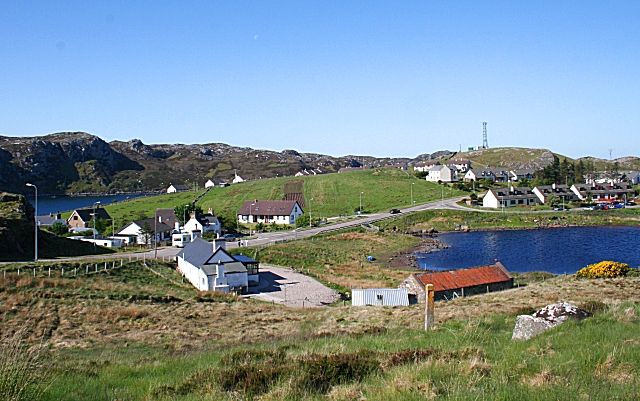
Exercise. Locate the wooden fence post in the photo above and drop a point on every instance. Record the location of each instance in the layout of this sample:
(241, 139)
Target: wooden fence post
(428, 308)
(49, 272)
(34, 272)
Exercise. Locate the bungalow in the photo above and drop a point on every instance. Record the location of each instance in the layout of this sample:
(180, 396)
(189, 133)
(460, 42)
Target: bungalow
(204, 223)
(209, 267)
(142, 231)
(215, 183)
(561, 191)
(508, 197)
(633, 176)
(516, 175)
(602, 193)
(462, 165)
(458, 283)
(380, 297)
(82, 218)
(177, 188)
(237, 179)
(424, 166)
(400, 166)
(268, 211)
(442, 173)
(314, 171)
(347, 169)
(167, 216)
(495, 174)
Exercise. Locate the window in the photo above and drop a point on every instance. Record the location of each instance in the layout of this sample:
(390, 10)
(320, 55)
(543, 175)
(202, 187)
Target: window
(379, 297)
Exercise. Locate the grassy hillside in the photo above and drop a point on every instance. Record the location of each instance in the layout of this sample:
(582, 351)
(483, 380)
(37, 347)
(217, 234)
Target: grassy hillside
(333, 195)
(521, 158)
(129, 333)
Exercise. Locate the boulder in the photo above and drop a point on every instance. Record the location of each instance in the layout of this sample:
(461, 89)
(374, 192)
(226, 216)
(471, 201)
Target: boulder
(528, 326)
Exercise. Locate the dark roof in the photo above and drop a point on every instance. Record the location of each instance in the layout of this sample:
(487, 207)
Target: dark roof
(207, 219)
(244, 259)
(268, 208)
(516, 193)
(197, 252)
(87, 214)
(464, 278)
(180, 187)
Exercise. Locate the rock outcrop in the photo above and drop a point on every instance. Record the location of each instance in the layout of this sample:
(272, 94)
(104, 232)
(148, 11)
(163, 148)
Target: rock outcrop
(528, 326)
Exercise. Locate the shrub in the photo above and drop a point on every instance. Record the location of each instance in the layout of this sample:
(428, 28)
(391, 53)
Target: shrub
(604, 269)
(21, 372)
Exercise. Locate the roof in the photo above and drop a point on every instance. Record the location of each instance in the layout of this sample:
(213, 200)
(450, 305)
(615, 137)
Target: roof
(197, 252)
(180, 187)
(160, 227)
(244, 259)
(87, 214)
(464, 278)
(425, 164)
(268, 208)
(439, 167)
(516, 193)
(46, 220)
(207, 219)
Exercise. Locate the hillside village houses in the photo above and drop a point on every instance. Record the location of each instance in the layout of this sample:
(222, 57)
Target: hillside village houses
(424, 166)
(83, 218)
(603, 192)
(563, 192)
(216, 183)
(269, 211)
(204, 223)
(442, 173)
(237, 179)
(209, 267)
(511, 196)
(461, 165)
(48, 221)
(633, 176)
(142, 231)
(173, 188)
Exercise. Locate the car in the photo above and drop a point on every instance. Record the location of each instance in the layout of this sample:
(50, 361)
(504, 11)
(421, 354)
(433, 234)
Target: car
(630, 203)
(228, 237)
(560, 208)
(589, 208)
(394, 211)
(618, 206)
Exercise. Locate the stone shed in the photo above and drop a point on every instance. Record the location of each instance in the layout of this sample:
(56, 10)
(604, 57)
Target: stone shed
(458, 283)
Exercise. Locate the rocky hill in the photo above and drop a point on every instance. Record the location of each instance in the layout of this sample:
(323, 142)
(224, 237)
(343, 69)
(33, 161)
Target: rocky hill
(75, 162)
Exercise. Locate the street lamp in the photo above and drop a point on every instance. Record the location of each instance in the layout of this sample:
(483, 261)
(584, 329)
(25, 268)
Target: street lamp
(250, 217)
(412, 193)
(94, 225)
(442, 194)
(155, 234)
(35, 217)
(310, 219)
(361, 202)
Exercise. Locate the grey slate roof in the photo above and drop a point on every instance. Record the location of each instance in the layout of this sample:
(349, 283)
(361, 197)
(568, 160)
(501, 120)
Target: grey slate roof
(207, 219)
(244, 259)
(268, 208)
(198, 252)
(86, 214)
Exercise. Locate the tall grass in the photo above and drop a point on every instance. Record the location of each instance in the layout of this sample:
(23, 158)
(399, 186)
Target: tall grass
(21, 368)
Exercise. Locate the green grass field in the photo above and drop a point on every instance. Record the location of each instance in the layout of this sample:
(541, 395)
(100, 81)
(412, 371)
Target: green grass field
(332, 194)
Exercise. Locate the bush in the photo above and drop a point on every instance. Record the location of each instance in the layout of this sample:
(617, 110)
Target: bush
(604, 269)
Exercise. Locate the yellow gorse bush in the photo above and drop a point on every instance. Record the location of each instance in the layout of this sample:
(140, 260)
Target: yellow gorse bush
(606, 268)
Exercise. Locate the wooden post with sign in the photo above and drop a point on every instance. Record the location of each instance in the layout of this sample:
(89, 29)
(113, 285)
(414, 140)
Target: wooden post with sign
(428, 308)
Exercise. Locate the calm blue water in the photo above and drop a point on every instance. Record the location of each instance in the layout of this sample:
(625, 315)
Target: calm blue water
(48, 205)
(553, 250)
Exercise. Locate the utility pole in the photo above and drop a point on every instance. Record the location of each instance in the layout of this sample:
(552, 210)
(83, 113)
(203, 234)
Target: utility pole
(35, 217)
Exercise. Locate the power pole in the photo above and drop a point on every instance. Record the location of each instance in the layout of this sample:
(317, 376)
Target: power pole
(610, 150)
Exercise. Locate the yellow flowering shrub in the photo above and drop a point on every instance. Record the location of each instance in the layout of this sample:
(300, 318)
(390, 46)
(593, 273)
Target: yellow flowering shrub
(606, 268)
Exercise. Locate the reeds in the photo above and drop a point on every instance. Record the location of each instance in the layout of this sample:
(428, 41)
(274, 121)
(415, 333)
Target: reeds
(21, 373)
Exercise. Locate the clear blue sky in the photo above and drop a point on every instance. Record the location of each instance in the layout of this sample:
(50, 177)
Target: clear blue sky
(370, 78)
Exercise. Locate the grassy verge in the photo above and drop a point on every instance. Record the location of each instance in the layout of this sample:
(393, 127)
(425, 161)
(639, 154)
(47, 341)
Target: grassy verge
(446, 220)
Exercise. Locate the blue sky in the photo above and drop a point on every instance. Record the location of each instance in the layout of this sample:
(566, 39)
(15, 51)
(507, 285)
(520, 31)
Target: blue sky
(368, 78)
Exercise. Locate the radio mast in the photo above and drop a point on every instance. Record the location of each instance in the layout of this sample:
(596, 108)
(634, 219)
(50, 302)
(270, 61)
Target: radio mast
(485, 142)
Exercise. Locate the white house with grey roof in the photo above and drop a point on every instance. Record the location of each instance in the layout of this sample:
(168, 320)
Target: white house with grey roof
(442, 173)
(269, 211)
(209, 267)
(203, 223)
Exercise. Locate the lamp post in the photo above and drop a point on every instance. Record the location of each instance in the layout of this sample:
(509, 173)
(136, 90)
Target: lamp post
(155, 234)
(250, 217)
(361, 202)
(94, 225)
(310, 219)
(35, 219)
(442, 194)
(412, 193)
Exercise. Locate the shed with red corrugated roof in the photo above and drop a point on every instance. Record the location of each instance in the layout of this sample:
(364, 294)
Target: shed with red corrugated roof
(459, 283)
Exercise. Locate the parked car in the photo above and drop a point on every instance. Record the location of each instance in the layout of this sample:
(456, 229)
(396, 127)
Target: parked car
(560, 208)
(228, 237)
(630, 203)
(589, 208)
(394, 211)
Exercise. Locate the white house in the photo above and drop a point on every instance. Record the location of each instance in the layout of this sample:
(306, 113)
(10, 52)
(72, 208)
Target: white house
(237, 179)
(280, 212)
(561, 191)
(462, 165)
(209, 267)
(424, 166)
(515, 175)
(496, 174)
(48, 221)
(135, 229)
(110, 242)
(603, 193)
(442, 173)
(509, 197)
(177, 188)
(204, 223)
(215, 183)
(633, 176)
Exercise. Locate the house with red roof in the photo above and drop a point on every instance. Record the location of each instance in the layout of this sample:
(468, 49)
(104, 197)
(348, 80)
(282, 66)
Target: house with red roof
(458, 283)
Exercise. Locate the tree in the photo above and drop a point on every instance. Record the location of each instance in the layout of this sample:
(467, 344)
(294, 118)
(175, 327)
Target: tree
(183, 212)
(59, 228)
(552, 200)
(147, 232)
(302, 220)
(273, 226)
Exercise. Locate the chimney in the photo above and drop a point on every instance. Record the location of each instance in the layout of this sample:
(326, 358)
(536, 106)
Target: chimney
(217, 243)
(211, 211)
(59, 216)
(177, 226)
(219, 271)
(553, 186)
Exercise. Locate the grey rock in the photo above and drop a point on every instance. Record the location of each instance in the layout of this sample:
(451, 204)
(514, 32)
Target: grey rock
(528, 326)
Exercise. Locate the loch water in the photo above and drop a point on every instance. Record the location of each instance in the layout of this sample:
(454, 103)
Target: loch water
(49, 205)
(558, 250)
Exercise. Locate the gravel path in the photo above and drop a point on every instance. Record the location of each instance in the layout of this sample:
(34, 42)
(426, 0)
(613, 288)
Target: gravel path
(292, 289)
